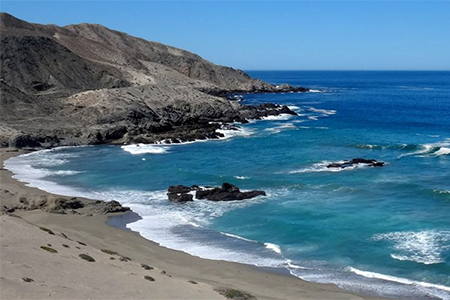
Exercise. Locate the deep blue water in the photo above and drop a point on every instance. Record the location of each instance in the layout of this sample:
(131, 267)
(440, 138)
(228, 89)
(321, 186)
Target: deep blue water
(382, 231)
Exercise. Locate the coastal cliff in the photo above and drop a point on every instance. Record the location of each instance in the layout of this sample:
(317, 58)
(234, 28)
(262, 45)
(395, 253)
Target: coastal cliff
(87, 84)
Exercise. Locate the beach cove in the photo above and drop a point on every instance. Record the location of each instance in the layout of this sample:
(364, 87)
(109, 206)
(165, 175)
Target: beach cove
(308, 188)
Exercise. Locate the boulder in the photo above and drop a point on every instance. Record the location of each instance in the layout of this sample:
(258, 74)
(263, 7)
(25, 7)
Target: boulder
(180, 197)
(173, 189)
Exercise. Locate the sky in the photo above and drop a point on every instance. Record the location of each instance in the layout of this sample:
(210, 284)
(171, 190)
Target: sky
(273, 35)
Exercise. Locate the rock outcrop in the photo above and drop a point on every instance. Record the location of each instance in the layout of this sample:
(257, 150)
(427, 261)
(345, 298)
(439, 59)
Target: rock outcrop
(87, 84)
(227, 192)
(357, 161)
(12, 201)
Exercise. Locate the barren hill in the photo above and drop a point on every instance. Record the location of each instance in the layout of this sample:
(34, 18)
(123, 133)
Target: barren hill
(84, 84)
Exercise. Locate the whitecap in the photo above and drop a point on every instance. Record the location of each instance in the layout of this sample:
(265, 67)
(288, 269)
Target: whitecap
(238, 237)
(315, 91)
(274, 247)
(323, 167)
(281, 117)
(425, 247)
(281, 127)
(294, 108)
(238, 132)
(241, 177)
(145, 148)
(322, 111)
(442, 151)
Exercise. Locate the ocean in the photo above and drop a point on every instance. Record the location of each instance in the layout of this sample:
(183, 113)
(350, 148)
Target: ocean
(380, 231)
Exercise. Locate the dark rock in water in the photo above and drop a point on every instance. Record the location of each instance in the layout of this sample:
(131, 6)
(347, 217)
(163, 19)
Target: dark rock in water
(356, 161)
(180, 193)
(179, 189)
(227, 192)
(180, 197)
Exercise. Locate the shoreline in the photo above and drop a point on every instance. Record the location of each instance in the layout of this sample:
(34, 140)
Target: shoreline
(96, 231)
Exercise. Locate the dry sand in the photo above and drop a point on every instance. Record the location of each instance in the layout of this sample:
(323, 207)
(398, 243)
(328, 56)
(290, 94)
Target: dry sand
(64, 275)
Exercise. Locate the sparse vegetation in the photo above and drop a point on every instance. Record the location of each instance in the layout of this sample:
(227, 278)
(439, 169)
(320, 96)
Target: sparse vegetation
(26, 279)
(109, 252)
(192, 281)
(49, 249)
(81, 243)
(146, 267)
(65, 246)
(165, 273)
(149, 278)
(235, 294)
(47, 230)
(86, 257)
(124, 258)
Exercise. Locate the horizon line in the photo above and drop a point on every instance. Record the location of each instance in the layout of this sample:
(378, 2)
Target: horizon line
(339, 70)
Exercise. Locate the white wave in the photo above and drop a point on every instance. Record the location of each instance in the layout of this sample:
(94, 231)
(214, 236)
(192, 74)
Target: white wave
(424, 149)
(281, 127)
(424, 247)
(239, 132)
(281, 117)
(242, 177)
(433, 149)
(442, 151)
(322, 167)
(313, 118)
(443, 192)
(145, 148)
(238, 237)
(294, 108)
(315, 91)
(290, 265)
(34, 177)
(194, 224)
(399, 280)
(273, 247)
(165, 223)
(322, 111)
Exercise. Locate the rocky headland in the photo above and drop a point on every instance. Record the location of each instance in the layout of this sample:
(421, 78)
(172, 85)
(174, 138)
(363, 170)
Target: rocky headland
(87, 84)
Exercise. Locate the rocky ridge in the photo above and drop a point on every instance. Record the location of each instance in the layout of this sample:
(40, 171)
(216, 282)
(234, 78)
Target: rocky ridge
(87, 84)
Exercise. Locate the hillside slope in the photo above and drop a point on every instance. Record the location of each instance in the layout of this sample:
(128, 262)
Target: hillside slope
(87, 84)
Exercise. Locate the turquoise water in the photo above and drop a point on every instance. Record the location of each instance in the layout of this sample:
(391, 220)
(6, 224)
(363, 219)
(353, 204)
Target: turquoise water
(383, 231)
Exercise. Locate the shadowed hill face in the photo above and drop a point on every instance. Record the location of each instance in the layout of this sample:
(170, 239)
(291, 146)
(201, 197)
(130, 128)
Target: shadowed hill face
(102, 45)
(36, 64)
(87, 84)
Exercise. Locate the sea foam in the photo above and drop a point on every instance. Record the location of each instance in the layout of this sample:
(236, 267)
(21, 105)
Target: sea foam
(425, 247)
(145, 148)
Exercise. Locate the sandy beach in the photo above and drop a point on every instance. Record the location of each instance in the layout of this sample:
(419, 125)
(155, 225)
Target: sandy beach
(40, 259)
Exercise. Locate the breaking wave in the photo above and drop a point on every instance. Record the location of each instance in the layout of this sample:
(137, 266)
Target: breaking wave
(323, 167)
(145, 148)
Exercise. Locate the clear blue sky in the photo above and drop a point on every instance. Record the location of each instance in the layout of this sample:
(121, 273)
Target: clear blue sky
(274, 35)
